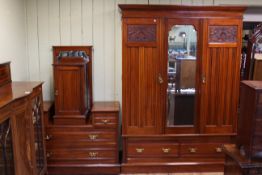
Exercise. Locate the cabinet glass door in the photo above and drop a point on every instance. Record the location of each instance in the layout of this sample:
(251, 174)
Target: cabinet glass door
(182, 74)
(6, 149)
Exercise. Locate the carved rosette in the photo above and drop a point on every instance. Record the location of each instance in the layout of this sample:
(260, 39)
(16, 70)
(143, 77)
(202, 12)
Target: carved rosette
(222, 34)
(141, 33)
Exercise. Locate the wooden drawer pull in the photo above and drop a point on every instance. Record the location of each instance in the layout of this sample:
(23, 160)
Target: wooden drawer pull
(166, 150)
(192, 150)
(48, 137)
(105, 121)
(139, 150)
(218, 150)
(93, 136)
(93, 154)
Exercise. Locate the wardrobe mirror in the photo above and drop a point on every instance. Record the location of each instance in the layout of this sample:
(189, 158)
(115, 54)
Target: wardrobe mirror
(182, 52)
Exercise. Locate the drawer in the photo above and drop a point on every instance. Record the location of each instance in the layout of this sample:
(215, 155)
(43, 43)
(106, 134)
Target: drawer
(152, 150)
(80, 139)
(95, 155)
(201, 149)
(105, 120)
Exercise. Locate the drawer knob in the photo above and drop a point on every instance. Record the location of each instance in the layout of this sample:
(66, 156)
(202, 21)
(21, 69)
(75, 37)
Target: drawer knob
(105, 121)
(48, 137)
(48, 155)
(93, 136)
(192, 150)
(166, 150)
(93, 154)
(218, 150)
(139, 150)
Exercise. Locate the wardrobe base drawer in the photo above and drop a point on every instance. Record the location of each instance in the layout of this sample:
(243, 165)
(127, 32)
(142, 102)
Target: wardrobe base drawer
(201, 150)
(152, 149)
(181, 167)
(83, 169)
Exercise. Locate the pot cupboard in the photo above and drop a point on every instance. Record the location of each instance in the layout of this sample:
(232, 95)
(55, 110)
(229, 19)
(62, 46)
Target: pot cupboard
(181, 74)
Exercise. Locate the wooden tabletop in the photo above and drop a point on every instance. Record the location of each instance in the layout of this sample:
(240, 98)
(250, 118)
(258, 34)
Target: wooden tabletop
(15, 90)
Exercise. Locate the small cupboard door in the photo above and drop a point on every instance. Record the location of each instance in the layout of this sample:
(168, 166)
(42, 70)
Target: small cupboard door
(220, 75)
(142, 76)
(182, 71)
(67, 90)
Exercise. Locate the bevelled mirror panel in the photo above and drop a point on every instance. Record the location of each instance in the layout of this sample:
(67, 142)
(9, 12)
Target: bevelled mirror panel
(182, 61)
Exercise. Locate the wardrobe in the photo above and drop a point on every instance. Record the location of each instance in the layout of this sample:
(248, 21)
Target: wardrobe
(180, 78)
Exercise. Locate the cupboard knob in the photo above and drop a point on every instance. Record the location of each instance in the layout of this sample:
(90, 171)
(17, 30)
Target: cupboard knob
(93, 136)
(139, 150)
(48, 155)
(105, 121)
(192, 150)
(93, 154)
(48, 137)
(218, 150)
(166, 150)
(56, 92)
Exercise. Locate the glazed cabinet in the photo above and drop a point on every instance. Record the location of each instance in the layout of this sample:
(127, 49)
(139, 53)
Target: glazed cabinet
(181, 69)
(21, 126)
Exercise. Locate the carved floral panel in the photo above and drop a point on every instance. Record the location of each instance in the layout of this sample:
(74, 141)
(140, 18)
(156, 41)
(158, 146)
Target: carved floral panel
(141, 33)
(222, 34)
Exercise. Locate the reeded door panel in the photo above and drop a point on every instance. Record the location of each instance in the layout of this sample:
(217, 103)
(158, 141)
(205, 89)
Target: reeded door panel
(221, 71)
(142, 78)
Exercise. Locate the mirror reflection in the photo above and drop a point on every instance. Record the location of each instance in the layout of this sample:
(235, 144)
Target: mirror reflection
(182, 52)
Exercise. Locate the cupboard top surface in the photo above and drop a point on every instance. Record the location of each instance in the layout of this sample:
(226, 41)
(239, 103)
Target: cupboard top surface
(257, 85)
(15, 90)
(182, 8)
(105, 106)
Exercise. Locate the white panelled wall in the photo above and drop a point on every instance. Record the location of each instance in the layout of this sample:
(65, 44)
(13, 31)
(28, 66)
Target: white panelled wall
(85, 22)
(13, 37)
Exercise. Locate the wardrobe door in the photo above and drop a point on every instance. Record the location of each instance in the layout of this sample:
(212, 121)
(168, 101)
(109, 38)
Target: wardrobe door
(182, 70)
(142, 76)
(220, 75)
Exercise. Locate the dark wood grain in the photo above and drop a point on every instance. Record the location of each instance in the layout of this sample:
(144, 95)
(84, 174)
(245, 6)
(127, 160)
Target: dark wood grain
(5, 74)
(249, 125)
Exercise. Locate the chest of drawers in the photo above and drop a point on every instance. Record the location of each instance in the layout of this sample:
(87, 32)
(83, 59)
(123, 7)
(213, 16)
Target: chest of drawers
(90, 148)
